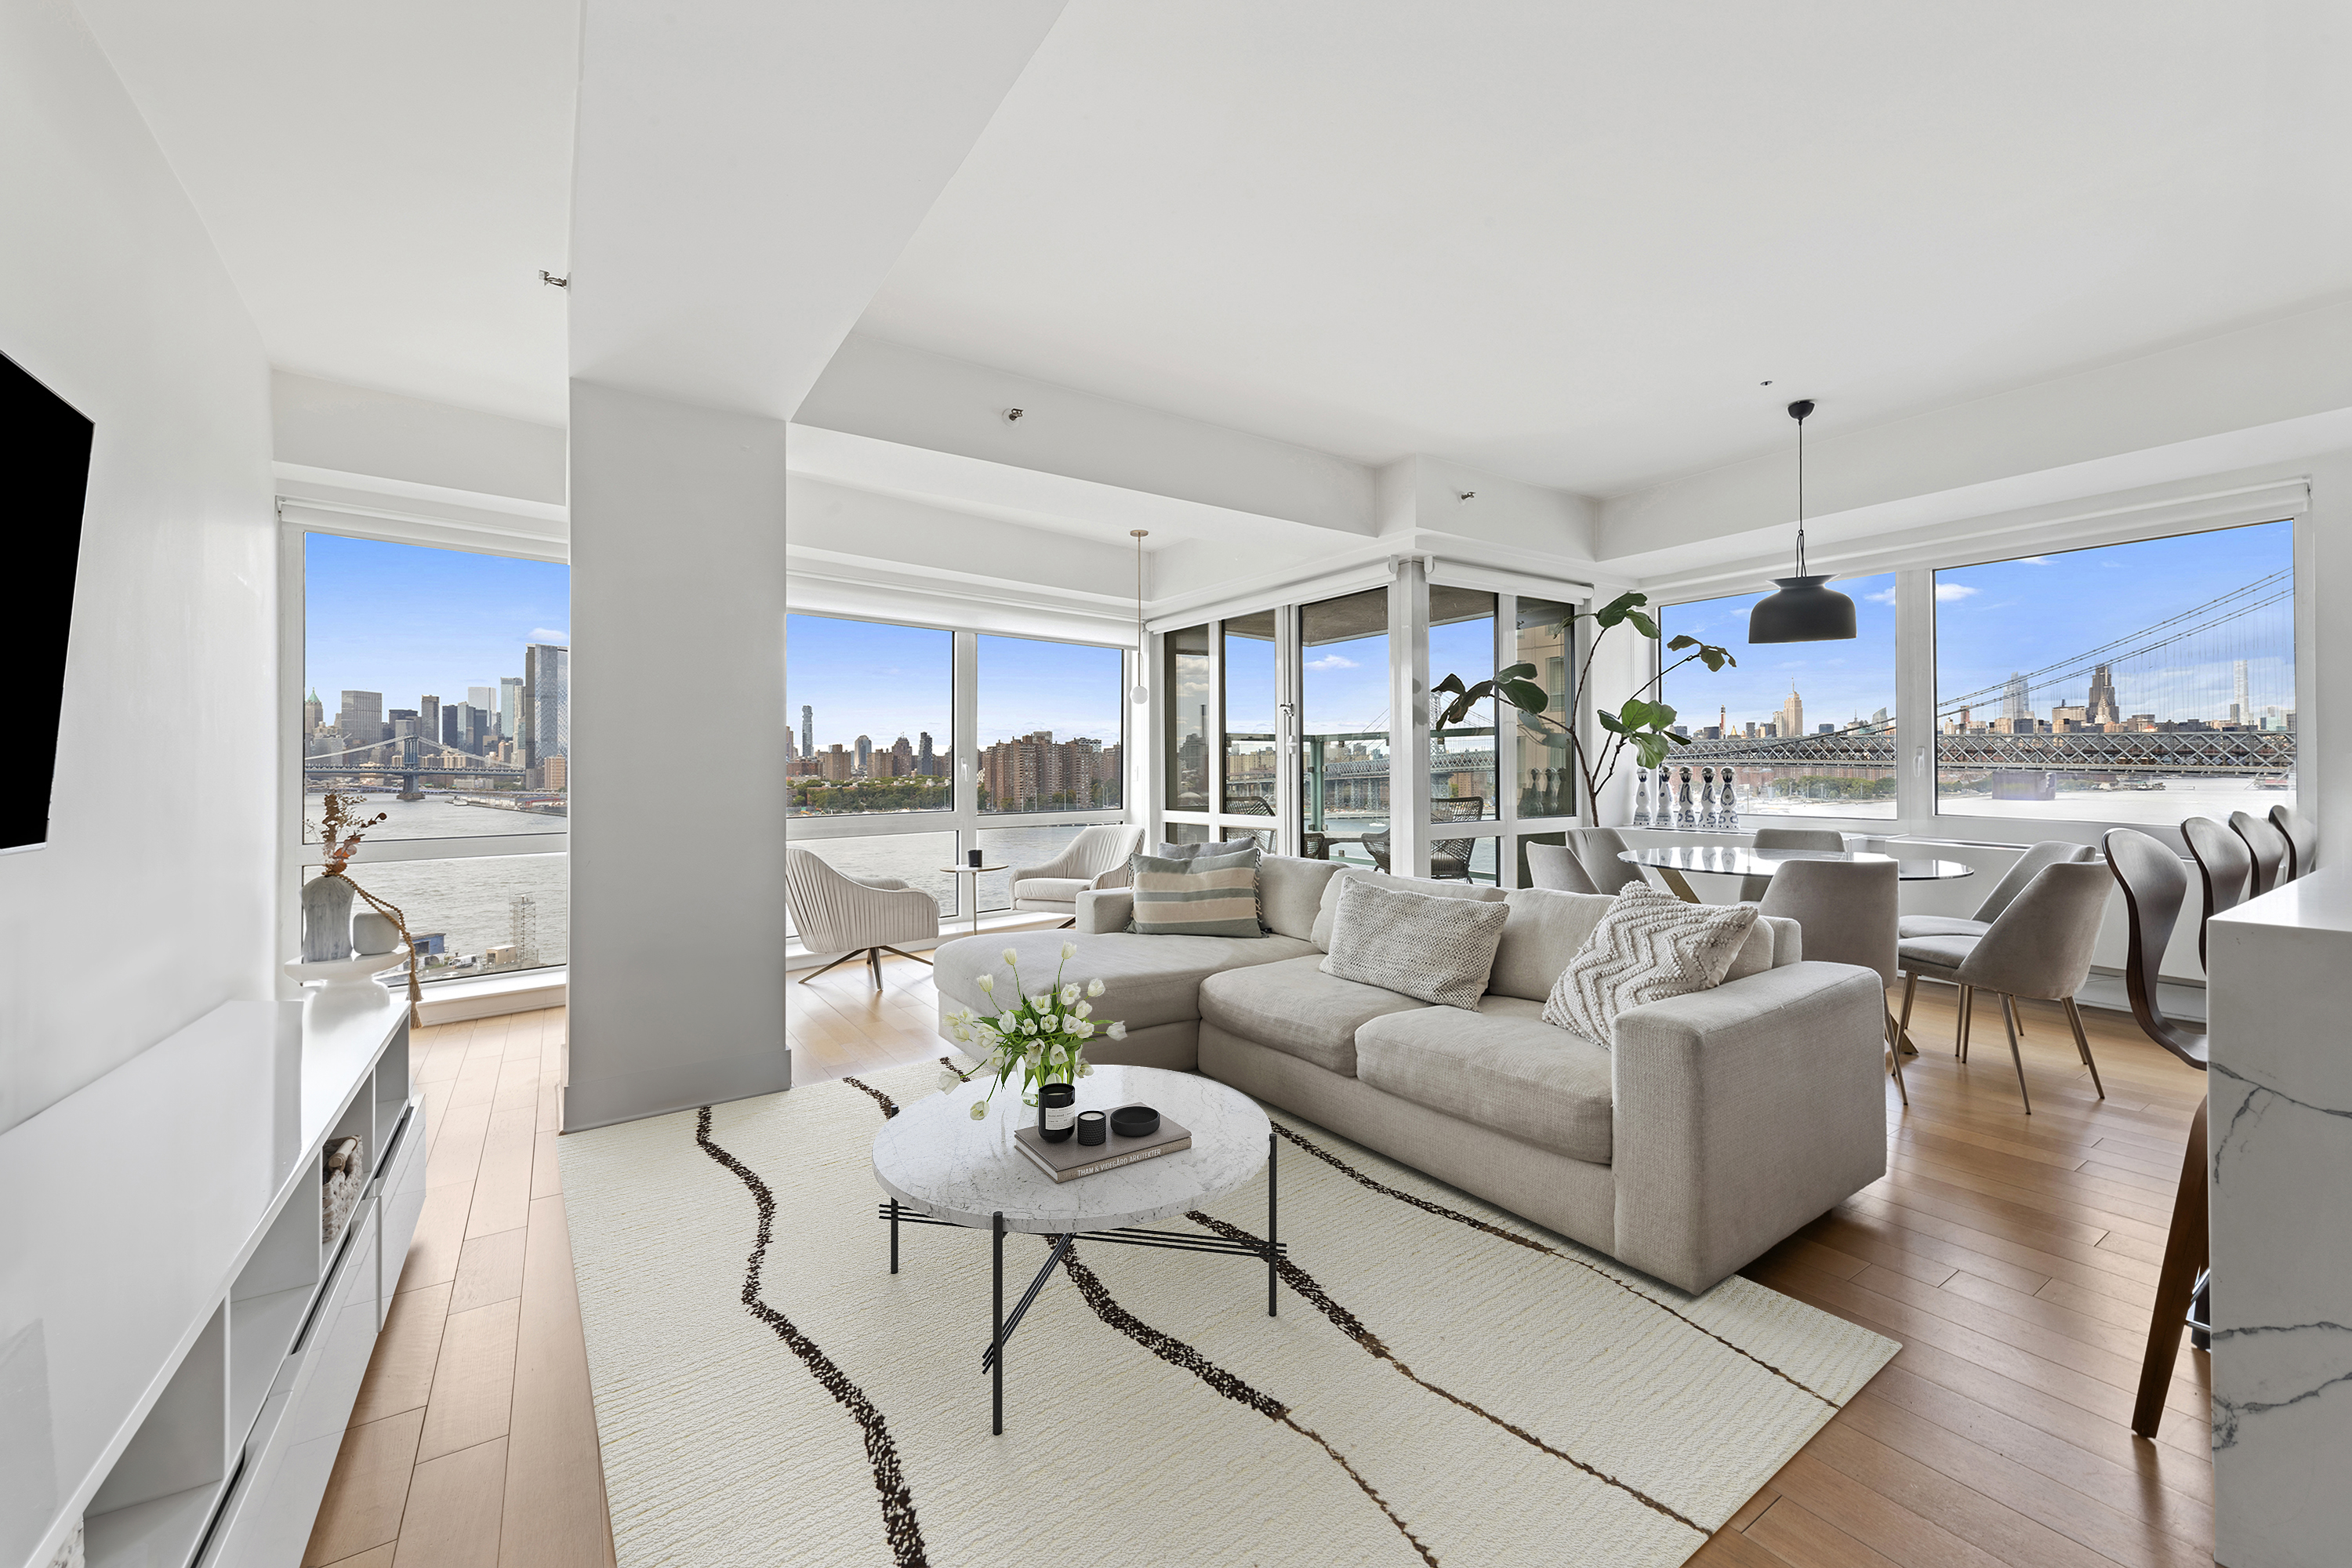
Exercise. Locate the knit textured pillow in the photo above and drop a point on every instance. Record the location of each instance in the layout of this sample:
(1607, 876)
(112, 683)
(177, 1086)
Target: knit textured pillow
(1648, 947)
(1439, 950)
(1209, 896)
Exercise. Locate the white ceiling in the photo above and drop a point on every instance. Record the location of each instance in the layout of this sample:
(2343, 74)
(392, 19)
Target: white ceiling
(1566, 242)
(384, 182)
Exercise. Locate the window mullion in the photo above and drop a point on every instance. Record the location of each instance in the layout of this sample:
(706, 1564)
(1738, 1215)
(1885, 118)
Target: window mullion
(1915, 701)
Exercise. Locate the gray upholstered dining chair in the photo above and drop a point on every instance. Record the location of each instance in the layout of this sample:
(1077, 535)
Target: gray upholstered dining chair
(2039, 948)
(1555, 866)
(2266, 844)
(1847, 910)
(1598, 850)
(2155, 887)
(1752, 889)
(2224, 865)
(2028, 865)
(2301, 836)
(1097, 857)
(856, 917)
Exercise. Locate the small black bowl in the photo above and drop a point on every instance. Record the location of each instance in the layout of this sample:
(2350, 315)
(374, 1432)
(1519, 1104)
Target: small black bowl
(1135, 1121)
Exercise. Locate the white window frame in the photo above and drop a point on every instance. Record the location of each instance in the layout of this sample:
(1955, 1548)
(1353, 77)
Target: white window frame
(297, 519)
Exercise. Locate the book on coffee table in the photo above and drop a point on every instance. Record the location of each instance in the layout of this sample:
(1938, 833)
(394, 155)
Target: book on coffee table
(1069, 1159)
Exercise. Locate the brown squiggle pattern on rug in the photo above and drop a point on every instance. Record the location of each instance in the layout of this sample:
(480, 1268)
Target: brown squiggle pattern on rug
(890, 1105)
(1177, 1354)
(899, 1525)
(1347, 1323)
(1534, 1246)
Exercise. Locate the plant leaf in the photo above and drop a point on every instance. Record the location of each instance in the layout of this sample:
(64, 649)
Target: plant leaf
(1526, 695)
(1610, 722)
(1681, 640)
(1643, 624)
(1451, 683)
(1514, 671)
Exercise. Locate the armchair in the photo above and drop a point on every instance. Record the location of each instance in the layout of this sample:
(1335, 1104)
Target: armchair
(854, 916)
(1097, 857)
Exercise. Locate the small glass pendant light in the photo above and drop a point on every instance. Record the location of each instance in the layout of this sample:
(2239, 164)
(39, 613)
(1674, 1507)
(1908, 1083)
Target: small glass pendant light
(1802, 611)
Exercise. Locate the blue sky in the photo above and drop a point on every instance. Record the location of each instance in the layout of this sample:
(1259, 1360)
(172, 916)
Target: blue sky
(1838, 681)
(867, 677)
(405, 619)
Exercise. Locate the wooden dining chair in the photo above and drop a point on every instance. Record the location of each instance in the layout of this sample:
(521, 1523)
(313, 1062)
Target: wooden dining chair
(2301, 836)
(2155, 886)
(2225, 867)
(2266, 844)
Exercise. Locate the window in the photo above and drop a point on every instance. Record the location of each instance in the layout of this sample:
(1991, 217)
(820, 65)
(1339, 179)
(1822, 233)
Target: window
(1051, 716)
(1187, 688)
(1462, 776)
(869, 710)
(2145, 682)
(1547, 771)
(1344, 724)
(436, 686)
(1253, 716)
(1801, 728)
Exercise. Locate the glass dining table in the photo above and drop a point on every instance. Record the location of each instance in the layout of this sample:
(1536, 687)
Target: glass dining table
(1675, 862)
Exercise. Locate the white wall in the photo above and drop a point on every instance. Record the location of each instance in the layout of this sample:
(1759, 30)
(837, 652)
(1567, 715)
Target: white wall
(677, 855)
(152, 903)
(330, 425)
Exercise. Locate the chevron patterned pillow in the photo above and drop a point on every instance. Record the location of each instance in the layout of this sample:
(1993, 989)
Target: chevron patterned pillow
(1651, 946)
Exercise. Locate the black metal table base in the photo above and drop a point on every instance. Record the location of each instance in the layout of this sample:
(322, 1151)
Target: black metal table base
(991, 1360)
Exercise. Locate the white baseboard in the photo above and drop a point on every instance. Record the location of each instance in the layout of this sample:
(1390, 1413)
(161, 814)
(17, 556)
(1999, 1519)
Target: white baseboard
(494, 996)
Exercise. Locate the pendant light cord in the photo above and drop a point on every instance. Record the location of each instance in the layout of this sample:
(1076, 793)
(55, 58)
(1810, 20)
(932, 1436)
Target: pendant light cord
(1801, 498)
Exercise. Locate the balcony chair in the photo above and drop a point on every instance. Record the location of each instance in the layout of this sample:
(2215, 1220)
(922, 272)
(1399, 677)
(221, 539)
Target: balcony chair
(1847, 910)
(1097, 857)
(854, 916)
(1598, 850)
(1752, 889)
(1448, 857)
(2301, 836)
(2224, 865)
(2155, 886)
(1555, 866)
(2039, 947)
(2267, 845)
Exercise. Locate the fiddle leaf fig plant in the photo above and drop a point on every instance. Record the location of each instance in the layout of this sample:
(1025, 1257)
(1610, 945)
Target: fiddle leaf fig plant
(1640, 723)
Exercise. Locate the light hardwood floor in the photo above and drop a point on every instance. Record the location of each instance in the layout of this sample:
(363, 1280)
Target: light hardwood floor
(2014, 1257)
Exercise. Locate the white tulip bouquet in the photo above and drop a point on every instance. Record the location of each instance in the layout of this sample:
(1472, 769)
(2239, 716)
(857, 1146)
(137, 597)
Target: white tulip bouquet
(1045, 1035)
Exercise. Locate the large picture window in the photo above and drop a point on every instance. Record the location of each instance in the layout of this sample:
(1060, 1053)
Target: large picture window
(436, 687)
(1050, 718)
(2145, 682)
(1343, 679)
(1801, 728)
(869, 714)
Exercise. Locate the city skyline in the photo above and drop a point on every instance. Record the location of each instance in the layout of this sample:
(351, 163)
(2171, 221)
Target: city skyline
(881, 680)
(1838, 681)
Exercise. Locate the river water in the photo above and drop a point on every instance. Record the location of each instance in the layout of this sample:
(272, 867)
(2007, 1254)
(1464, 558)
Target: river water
(469, 902)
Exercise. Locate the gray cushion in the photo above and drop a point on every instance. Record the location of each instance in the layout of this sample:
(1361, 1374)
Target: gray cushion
(1321, 932)
(1935, 954)
(1649, 947)
(1149, 980)
(1294, 1007)
(1207, 895)
(1547, 927)
(1192, 851)
(1052, 890)
(1940, 925)
(1440, 950)
(1290, 893)
(1503, 1068)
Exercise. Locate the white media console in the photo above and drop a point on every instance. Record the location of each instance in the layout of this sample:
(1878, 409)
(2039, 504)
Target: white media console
(179, 1351)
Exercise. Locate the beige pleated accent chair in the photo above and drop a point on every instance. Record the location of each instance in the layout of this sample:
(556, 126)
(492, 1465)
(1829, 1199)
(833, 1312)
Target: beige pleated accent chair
(2301, 836)
(854, 916)
(1555, 866)
(2038, 948)
(2028, 865)
(1752, 889)
(1097, 857)
(1848, 910)
(1597, 850)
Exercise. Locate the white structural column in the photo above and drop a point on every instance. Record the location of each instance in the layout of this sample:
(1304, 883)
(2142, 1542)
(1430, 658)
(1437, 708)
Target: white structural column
(678, 606)
(1409, 804)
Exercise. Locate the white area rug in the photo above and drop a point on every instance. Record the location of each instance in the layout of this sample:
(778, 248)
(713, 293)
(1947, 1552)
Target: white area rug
(1446, 1383)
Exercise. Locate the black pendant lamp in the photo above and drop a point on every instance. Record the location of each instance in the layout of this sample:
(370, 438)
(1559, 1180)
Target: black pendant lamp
(1802, 611)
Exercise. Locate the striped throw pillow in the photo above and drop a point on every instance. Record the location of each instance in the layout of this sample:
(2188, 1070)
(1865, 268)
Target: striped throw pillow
(1207, 895)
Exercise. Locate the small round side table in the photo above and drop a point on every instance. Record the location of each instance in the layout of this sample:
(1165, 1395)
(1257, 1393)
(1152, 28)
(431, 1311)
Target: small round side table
(971, 890)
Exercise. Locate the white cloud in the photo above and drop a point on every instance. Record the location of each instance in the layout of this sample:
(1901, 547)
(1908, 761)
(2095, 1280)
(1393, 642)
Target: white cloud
(1949, 592)
(1883, 596)
(541, 633)
(1333, 661)
(2034, 561)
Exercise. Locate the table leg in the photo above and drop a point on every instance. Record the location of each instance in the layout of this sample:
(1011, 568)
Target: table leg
(998, 1366)
(1676, 885)
(894, 1236)
(1273, 1148)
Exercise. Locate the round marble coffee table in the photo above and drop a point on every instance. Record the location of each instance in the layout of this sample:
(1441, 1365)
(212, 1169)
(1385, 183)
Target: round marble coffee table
(941, 1167)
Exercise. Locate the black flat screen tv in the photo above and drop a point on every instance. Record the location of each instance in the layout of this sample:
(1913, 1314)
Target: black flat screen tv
(45, 454)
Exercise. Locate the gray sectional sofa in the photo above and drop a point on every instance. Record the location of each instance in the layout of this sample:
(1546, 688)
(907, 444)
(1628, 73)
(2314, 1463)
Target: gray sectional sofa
(1711, 1127)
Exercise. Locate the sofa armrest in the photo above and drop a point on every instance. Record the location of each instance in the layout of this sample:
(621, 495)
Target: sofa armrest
(1104, 909)
(1740, 1114)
